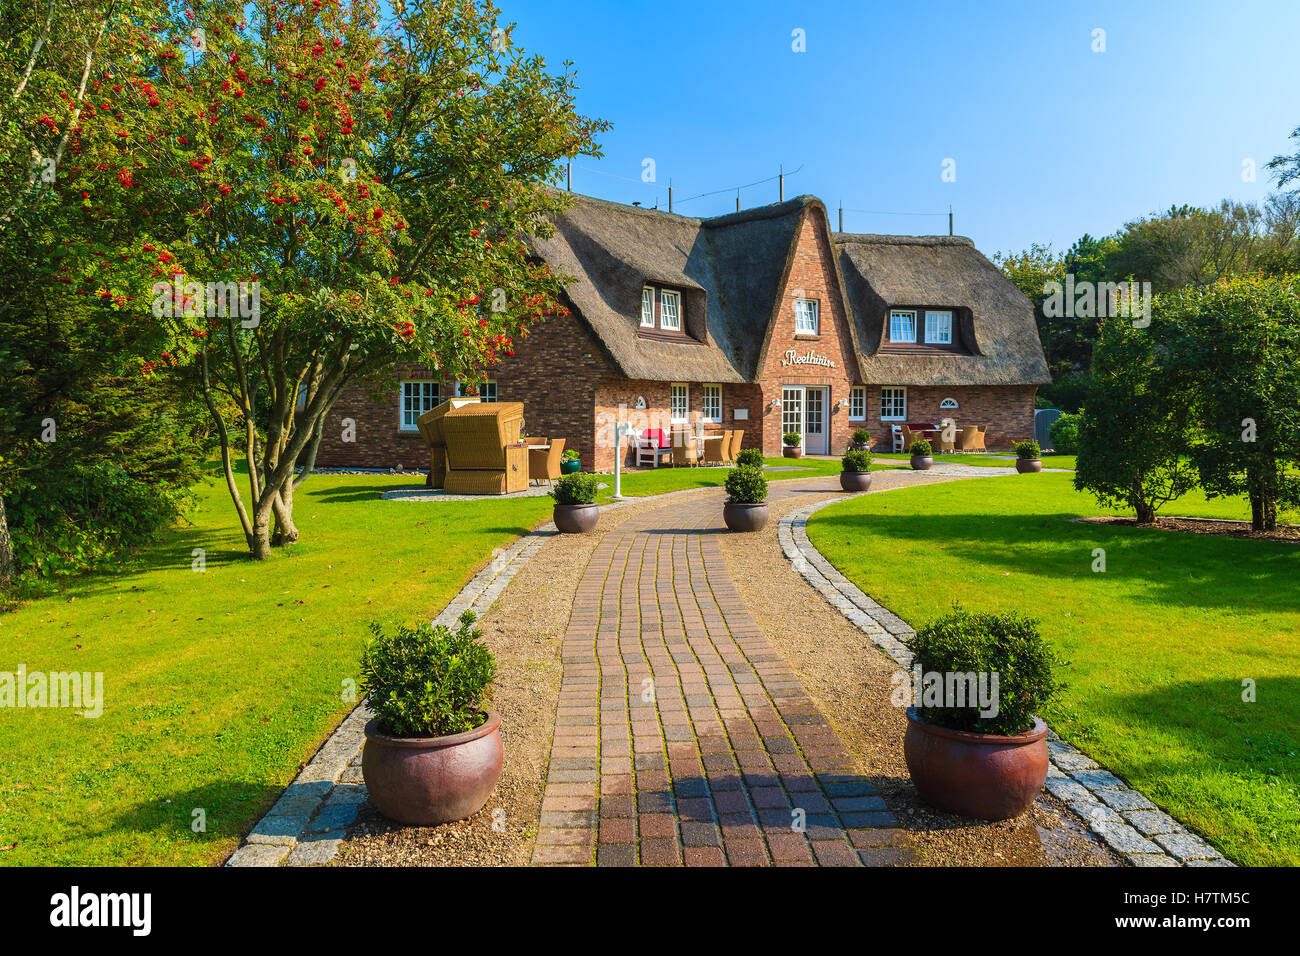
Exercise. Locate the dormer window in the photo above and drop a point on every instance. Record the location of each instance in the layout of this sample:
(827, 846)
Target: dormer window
(806, 320)
(902, 326)
(938, 328)
(661, 309)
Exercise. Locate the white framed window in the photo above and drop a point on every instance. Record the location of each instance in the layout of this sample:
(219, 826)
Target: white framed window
(670, 313)
(417, 398)
(711, 403)
(893, 404)
(806, 320)
(857, 404)
(902, 326)
(679, 403)
(487, 391)
(938, 328)
(647, 307)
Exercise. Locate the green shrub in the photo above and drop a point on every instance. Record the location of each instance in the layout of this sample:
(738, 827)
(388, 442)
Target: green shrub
(1007, 645)
(1028, 449)
(921, 448)
(750, 456)
(861, 437)
(570, 454)
(791, 439)
(856, 460)
(426, 681)
(746, 485)
(1065, 434)
(575, 489)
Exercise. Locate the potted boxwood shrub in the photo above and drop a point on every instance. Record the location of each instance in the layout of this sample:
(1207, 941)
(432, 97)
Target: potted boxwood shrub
(856, 473)
(575, 503)
(750, 456)
(569, 462)
(861, 439)
(792, 442)
(1029, 457)
(985, 758)
(433, 750)
(921, 458)
(746, 506)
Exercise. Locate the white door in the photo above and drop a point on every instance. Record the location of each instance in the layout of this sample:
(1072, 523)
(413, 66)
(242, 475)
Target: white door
(791, 410)
(816, 436)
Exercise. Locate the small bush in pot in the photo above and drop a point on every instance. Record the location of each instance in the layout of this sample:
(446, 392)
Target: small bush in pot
(861, 439)
(922, 459)
(575, 503)
(746, 505)
(792, 442)
(433, 750)
(856, 472)
(974, 743)
(752, 457)
(1029, 457)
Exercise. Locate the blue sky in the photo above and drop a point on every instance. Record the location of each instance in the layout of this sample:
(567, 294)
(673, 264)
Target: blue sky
(1050, 139)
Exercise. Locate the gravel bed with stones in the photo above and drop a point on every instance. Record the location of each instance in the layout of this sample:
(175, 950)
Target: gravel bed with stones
(849, 678)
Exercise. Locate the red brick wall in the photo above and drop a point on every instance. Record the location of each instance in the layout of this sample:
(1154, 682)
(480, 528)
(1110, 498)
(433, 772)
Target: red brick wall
(812, 276)
(378, 441)
(1007, 411)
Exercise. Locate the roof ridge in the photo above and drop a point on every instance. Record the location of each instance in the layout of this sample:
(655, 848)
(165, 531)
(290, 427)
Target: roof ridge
(893, 240)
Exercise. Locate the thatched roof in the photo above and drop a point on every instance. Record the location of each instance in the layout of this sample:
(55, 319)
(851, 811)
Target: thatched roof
(995, 321)
(731, 269)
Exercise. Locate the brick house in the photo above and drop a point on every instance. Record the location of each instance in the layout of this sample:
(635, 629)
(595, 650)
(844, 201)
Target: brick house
(764, 320)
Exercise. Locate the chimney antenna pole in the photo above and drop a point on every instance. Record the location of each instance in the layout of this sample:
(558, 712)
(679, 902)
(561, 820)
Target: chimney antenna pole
(841, 215)
(737, 200)
(950, 220)
(569, 177)
(781, 179)
(670, 195)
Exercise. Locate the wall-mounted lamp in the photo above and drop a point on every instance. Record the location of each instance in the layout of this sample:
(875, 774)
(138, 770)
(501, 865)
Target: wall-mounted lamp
(839, 404)
(776, 403)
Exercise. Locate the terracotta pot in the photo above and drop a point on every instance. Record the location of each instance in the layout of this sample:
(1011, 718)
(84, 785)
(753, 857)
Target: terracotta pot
(976, 775)
(431, 780)
(743, 517)
(576, 519)
(855, 480)
(570, 466)
(922, 462)
(789, 452)
(1027, 465)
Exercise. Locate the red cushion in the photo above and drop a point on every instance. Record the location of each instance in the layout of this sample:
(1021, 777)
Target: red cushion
(658, 436)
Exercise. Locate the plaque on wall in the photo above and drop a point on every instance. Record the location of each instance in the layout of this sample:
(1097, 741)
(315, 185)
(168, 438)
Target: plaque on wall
(740, 414)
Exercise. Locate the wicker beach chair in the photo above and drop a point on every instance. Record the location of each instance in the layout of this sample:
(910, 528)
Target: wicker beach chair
(544, 463)
(430, 426)
(484, 453)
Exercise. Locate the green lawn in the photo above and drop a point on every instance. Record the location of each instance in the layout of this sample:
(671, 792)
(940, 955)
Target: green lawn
(218, 684)
(1160, 643)
(658, 481)
(1007, 460)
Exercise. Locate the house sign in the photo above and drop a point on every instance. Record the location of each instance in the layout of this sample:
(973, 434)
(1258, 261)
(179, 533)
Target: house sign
(792, 357)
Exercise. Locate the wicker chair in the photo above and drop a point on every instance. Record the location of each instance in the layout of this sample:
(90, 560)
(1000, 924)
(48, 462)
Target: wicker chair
(685, 451)
(715, 449)
(909, 436)
(731, 447)
(942, 444)
(544, 463)
(971, 438)
(484, 453)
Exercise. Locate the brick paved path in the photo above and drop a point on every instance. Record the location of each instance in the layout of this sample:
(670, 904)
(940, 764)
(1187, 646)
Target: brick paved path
(681, 736)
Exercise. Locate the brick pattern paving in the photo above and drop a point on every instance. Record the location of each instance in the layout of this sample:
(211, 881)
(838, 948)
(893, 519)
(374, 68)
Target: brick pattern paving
(682, 737)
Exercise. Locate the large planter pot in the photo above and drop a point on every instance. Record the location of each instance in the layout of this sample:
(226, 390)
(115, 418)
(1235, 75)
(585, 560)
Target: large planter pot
(570, 466)
(789, 452)
(1027, 465)
(743, 517)
(576, 519)
(855, 480)
(922, 462)
(975, 775)
(431, 780)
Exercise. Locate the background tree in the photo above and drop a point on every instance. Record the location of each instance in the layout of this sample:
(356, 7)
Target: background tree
(1236, 345)
(1132, 434)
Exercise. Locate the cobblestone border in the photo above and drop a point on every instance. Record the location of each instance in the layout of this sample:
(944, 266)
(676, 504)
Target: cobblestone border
(308, 822)
(1125, 819)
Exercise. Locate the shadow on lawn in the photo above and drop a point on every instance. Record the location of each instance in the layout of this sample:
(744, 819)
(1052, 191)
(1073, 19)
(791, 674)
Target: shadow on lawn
(230, 808)
(1175, 569)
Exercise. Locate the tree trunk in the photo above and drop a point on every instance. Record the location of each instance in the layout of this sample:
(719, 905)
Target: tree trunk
(282, 507)
(260, 543)
(1145, 513)
(6, 549)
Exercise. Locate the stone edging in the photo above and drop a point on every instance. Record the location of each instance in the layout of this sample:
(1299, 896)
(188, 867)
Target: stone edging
(1125, 819)
(308, 822)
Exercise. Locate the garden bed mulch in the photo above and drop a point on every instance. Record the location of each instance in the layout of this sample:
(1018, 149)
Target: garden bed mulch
(849, 679)
(1288, 533)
